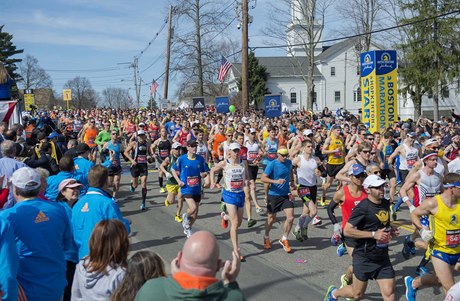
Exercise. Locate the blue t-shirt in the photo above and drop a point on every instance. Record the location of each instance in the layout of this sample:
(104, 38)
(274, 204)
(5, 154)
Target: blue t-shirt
(82, 165)
(190, 173)
(42, 233)
(116, 149)
(9, 261)
(276, 170)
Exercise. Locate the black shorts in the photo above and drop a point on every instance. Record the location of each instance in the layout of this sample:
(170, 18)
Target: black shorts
(253, 170)
(139, 170)
(365, 269)
(403, 175)
(387, 173)
(196, 198)
(277, 203)
(349, 242)
(114, 170)
(308, 193)
(333, 170)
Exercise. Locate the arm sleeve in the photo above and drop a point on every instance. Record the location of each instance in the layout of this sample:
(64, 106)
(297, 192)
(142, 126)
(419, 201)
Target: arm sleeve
(330, 212)
(269, 170)
(3, 196)
(99, 139)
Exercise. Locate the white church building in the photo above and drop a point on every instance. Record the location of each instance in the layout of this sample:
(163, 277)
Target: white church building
(336, 77)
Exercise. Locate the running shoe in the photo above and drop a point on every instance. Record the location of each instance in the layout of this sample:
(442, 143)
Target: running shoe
(341, 250)
(286, 246)
(162, 190)
(267, 244)
(223, 207)
(178, 219)
(251, 222)
(185, 221)
(317, 221)
(329, 296)
(242, 259)
(298, 235)
(343, 281)
(394, 215)
(420, 271)
(335, 239)
(188, 232)
(142, 207)
(259, 210)
(410, 291)
(224, 222)
(167, 203)
(408, 244)
(304, 233)
(131, 188)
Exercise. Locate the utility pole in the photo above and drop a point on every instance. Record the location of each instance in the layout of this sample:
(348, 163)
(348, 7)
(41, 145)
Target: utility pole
(137, 87)
(436, 65)
(345, 85)
(168, 54)
(244, 56)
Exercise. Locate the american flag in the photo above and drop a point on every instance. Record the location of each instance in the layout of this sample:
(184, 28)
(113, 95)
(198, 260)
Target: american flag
(225, 65)
(153, 87)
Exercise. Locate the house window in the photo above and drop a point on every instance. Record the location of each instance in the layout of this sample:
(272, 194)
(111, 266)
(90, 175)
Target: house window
(332, 71)
(357, 95)
(314, 97)
(337, 96)
(445, 92)
(358, 70)
(293, 97)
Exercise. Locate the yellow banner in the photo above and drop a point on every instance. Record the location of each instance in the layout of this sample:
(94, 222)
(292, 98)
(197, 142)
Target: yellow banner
(387, 99)
(67, 94)
(368, 86)
(29, 99)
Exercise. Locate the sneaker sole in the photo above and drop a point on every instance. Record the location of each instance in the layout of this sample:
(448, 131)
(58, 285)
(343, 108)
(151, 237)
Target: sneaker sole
(406, 280)
(284, 248)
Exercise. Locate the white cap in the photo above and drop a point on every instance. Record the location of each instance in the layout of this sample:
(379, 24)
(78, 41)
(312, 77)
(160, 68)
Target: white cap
(176, 145)
(430, 141)
(140, 132)
(373, 181)
(141, 124)
(26, 178)
(230, 118)
(252, 130)
(234, 146)
(307, 132)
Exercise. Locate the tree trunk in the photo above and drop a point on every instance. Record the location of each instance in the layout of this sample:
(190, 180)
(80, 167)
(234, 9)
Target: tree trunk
(436, 102)
(198, 48)
(417, 101)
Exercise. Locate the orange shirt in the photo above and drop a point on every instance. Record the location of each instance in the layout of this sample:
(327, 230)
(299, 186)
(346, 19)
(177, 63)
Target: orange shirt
(218, 139)
(90, 136)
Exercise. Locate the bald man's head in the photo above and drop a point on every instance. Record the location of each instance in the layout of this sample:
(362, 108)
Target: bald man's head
(200, 255)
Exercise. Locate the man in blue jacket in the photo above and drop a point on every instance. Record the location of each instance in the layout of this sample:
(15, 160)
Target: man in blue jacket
(67, 171)
(8, 261)
(42, 234)
(95, 206)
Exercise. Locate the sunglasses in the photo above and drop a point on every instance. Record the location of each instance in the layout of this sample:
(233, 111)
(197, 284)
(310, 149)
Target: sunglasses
(366, 152)
(361, 175)
(381, 187)
(377, 172)
(113, 133)
(284, 155)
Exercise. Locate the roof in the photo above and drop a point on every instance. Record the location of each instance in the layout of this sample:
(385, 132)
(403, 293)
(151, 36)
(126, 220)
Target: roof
(282, 66)
(336, 49)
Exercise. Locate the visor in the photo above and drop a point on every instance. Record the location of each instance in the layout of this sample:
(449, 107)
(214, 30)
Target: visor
(283, 151)
(456, 184)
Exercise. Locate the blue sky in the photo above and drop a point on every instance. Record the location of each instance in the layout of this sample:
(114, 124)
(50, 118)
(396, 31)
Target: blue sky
(93, 38)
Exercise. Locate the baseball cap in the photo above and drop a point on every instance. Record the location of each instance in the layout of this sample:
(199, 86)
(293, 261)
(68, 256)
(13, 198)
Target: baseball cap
(68, 183)
(52, 135)
(373, 181)
(252, 130)
(141, 124)
(411, 134)
(176, 145)
(26, 178)
(307, 132)
(192, 143)
(81, 148)
(41, 135)
(335, 126)
(140, 132)
(430, 142)
(234, 146)
(283, 151)
(356, 169)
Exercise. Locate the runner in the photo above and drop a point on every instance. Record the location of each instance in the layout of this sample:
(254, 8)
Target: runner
(139, 154)
(278, 174)
(214, 143)
(369, 225)
(171, 184)
(270, 148)
(442, 235)
(191, 169)
(164, 150)
(307, 170)
(386, 147)
(254, 156)
(362, 158)
(114, 146)
(235, 179)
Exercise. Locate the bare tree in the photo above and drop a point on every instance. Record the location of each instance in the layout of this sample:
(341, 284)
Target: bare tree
(83, 94)
(304, 21)
(115, 98)
(32, 75)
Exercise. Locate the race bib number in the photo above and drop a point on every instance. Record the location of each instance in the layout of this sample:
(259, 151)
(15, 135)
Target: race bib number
(253, 155)
(383, 243)
(115, 162)
(304, 191)
(271, 156)
(193, 181)
(236, 185)
(164, 153)
(142, 159)
(411, 163)
(452, 238)
(338, 154)
(91, 141)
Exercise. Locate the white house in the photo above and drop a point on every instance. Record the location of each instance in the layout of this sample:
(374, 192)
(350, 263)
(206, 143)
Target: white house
(336, 78)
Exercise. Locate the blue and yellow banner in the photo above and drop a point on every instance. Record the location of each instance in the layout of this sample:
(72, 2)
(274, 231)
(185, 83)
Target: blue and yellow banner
(379, 70)
(222, 104)
(272, 106)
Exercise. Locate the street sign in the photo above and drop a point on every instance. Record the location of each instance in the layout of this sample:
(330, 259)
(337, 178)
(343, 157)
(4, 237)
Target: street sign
(29, 99)
(67, 94)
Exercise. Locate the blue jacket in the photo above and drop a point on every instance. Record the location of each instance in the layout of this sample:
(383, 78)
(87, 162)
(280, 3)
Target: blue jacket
(72, 253)
(95, 206)
(9, 261)
(42, 234)
(53, 183)
(82, 165)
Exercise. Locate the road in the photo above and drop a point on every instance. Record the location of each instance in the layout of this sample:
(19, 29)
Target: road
(304, 274)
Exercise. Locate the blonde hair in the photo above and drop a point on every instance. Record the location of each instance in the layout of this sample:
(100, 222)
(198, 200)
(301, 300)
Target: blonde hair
(4, 76)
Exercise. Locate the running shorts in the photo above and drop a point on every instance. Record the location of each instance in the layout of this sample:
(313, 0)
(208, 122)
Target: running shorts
(276, 203)
(365, 269)
(196, 198)
(307, 193)
(450, 259)
(114, 170)
(233, 198)
(139, 170)
(333, 169)
(252, 172)
(174, 189)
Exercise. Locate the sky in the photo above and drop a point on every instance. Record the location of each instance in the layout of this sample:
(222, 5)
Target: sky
(99, 39)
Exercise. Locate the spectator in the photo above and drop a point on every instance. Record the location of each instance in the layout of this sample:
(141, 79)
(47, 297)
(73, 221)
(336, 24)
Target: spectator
(9, 262)
(42, 234)
(142, 266)
(99, 274)
(66, 166)
(8, 165)
(193, 274)
(95, 206)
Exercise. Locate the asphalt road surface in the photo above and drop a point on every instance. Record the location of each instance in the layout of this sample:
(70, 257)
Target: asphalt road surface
(304, 274)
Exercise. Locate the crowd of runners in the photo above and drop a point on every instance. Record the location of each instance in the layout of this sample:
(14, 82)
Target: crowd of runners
(77, 157)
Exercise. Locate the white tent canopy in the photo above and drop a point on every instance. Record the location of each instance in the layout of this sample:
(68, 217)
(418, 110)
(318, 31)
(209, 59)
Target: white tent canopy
(183, 105)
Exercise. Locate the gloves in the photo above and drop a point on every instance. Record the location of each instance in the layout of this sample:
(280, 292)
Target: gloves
(168, 175)
(426, 235)
(338, 230)
(411, 208)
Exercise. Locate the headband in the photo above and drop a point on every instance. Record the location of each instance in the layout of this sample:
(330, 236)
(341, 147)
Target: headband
(429, 155)
(448, 185)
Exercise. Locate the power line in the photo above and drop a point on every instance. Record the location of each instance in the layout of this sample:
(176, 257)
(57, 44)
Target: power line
(154, 38)
(85, 70)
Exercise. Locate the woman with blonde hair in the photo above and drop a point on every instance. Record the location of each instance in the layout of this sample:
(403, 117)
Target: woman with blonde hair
(142, 266)
(98, 275)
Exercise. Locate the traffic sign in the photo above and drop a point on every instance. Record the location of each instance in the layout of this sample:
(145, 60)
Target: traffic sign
(67, 94)
(29, 99)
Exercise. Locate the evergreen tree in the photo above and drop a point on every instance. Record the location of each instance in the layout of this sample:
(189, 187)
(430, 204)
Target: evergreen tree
(7, 50)
(152, 103)
(257, 80)
(429, 55)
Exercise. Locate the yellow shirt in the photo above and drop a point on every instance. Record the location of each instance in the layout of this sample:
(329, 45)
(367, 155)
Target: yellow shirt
(336, 158)
(445, 226)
